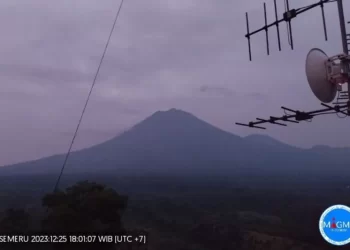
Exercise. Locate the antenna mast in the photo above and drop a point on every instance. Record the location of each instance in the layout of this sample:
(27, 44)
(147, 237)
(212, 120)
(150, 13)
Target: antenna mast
(343, 27)
(344, 36)
(342, 107)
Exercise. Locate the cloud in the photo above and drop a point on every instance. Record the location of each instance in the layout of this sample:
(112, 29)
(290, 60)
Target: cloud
(217, 90)
(163, 54)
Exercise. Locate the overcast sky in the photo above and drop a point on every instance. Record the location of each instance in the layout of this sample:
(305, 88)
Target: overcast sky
(185, 54)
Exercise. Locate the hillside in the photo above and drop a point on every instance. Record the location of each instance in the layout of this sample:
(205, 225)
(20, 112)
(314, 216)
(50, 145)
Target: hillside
(178, 142)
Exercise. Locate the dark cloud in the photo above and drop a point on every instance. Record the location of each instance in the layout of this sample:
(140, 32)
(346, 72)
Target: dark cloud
(257, 96)
(217, 90)
(45, 75)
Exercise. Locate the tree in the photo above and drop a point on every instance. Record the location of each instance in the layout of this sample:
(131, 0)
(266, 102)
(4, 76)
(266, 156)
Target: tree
(85, 207)
(218, 233)
(15, 221)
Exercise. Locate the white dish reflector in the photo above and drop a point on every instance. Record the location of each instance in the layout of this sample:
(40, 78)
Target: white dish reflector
(317, 76)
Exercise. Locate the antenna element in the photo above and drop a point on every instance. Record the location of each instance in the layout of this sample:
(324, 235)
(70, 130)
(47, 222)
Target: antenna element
(288, 15)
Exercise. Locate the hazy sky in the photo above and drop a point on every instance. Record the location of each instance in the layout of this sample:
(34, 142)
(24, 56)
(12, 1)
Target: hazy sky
(185, 54)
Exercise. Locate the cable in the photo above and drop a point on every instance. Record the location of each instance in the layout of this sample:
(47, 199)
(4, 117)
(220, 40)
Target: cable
(88, 98)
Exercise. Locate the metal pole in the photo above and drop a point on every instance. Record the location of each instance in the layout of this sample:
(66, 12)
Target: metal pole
(342, 26)
(343, 38)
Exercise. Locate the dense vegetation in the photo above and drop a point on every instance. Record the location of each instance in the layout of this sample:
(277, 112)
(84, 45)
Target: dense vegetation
(192, 212)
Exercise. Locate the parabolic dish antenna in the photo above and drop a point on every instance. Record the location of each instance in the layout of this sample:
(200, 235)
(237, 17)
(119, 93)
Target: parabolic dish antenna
(316, 72)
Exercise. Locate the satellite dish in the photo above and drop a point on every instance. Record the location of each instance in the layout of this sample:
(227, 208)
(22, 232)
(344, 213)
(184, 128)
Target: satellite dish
(317, 76)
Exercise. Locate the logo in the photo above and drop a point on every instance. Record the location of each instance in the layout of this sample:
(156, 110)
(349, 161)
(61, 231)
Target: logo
(335, 225)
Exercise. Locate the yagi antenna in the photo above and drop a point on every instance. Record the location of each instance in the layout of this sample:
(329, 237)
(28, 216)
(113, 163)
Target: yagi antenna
(325, 75)
(297, 116)
(288, 15)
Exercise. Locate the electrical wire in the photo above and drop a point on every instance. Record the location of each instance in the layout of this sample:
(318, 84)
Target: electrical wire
(88, 98)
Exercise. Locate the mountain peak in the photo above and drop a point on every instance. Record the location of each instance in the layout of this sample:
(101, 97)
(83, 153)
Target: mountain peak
(174, 124)
(172, 111)
(175, 110)
(170, 116)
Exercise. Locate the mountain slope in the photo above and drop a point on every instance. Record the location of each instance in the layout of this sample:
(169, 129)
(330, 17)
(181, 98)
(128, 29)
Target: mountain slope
(171, 139)
(267, 141)
(164, 140)
(175, 141)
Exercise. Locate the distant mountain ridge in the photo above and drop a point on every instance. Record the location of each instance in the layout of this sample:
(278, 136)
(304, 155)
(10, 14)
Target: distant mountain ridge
(266, 140)
(179, 142)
